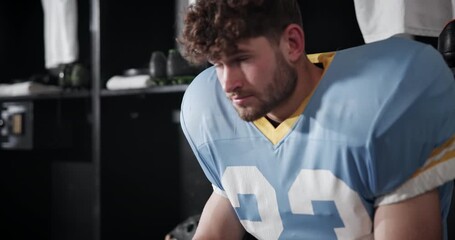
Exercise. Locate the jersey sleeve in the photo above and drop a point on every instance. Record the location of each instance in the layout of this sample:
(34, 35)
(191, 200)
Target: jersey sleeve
(411, 144)
(196, 116)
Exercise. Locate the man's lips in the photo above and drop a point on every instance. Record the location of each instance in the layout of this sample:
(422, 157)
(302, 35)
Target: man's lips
(241, 100)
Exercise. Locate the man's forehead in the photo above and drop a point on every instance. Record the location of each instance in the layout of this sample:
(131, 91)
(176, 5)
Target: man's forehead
(241, 47)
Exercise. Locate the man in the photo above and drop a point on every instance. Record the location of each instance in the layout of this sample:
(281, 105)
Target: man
(361, 148)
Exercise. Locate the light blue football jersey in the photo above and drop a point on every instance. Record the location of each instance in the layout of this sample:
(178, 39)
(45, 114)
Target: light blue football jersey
(378, 129)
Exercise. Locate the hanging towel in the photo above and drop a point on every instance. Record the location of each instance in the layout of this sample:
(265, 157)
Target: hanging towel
(380, 19)
(60, 32)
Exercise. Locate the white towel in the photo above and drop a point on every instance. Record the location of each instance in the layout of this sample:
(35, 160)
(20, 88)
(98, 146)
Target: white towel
(60, 32)
(380, 19)
(129, 82)
(26, 88)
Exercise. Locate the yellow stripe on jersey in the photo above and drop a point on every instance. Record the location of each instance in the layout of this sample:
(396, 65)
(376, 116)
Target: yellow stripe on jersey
(324, 58)
(439, 169)
(276, 134)
(443, 153)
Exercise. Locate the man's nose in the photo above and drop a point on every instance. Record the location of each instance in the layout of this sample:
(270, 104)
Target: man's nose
(231, 79)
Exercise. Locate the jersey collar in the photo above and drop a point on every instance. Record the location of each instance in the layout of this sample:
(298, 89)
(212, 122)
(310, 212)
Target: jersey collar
(275, 135)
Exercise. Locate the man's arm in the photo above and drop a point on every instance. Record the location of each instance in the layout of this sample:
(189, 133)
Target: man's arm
(218, 220)
(416, 218)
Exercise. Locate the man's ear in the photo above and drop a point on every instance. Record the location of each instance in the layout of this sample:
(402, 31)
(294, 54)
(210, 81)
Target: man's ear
(294, 42)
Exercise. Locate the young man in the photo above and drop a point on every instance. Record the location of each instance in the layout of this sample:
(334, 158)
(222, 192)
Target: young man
(362, 148)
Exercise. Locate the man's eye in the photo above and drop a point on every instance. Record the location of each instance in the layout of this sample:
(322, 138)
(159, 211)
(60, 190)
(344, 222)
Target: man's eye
(241, 58)
(217, 65)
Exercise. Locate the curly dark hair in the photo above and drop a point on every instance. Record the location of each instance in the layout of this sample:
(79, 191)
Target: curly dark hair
(214, 27)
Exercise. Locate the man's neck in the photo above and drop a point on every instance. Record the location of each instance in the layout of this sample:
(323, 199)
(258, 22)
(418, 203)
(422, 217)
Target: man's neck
(275, 124)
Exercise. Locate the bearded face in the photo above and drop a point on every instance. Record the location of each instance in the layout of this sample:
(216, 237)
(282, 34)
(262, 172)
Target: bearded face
(269, 91)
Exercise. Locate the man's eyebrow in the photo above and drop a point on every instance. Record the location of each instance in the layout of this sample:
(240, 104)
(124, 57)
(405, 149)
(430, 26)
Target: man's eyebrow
(231, 56)
(239, 52)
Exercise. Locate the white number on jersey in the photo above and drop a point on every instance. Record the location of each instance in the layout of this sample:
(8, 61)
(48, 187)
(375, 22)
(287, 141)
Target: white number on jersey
(310, 185)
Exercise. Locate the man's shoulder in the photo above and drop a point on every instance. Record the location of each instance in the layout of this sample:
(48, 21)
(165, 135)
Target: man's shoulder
(203, 89)
(395, 48)
(394, 42)
(205, 80)
(395, 59)
(205, 101)
(206, 113)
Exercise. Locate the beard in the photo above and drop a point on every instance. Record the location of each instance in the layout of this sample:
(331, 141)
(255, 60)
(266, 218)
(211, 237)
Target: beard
(272, 95)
